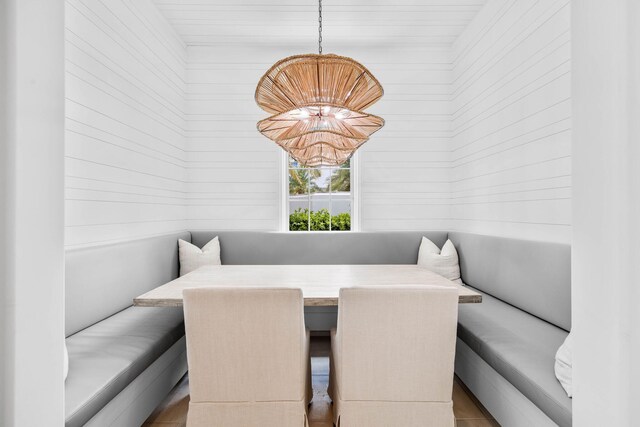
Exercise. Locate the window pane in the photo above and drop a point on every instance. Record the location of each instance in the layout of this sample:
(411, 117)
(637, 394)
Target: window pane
(320, 179)
(341, 180)
(341, 212)
(341, 199)
(298, 182)
(320, 199)
(298, 200)
(320, 220)
(298, 217)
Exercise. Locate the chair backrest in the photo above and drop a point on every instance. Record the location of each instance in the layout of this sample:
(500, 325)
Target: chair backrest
(397, 343)
(245, 345)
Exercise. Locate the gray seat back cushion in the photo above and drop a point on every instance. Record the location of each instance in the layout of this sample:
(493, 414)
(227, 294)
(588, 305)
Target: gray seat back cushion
(103, 280)
(533, 276)
(256, 247)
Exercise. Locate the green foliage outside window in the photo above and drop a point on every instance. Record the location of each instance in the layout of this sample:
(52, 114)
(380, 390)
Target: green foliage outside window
(300, 219)
(301, 181)
(341, 222)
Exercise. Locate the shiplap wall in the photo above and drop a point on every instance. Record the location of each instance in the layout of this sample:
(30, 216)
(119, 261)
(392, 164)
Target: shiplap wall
(405, 167)
(161, 136)
(126, 156)
(235, 173)
(511, 122)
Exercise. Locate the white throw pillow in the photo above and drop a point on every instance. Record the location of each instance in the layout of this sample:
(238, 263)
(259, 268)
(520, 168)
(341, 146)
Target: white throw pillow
(443, 262)
(192, 257)
(563, 365)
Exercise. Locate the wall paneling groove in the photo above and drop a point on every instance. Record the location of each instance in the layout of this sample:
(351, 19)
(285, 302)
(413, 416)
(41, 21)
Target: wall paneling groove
(126, 174)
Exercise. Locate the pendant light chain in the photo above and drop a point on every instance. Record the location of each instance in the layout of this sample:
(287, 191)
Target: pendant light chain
(320, 27)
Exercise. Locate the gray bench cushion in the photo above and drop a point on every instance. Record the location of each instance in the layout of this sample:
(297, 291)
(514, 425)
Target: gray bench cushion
(533, 276)
(521, 348)
(255, 247)
(106, 357)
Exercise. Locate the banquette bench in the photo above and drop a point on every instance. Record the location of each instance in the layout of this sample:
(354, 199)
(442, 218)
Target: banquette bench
(123, 360)
(506, 346)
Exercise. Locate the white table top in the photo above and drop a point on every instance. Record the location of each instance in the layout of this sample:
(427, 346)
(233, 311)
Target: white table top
(320, 284)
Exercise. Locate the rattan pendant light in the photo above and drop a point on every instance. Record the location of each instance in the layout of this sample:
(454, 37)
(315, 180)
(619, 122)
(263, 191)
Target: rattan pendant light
(317, 104)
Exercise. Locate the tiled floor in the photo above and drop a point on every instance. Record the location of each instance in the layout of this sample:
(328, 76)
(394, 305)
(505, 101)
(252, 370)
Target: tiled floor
(173, 411)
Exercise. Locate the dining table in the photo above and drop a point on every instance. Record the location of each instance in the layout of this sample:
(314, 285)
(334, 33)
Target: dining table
(320, 284)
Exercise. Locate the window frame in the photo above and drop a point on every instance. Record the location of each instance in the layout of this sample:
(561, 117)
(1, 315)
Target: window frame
(284, 196)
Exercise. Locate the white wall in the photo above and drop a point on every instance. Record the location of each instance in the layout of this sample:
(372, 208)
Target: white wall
(511, 122)
(32, 218)
(477, 136)
(606, 208)
(235, 173)
(162, 137)
(125, 139)
(405, 167)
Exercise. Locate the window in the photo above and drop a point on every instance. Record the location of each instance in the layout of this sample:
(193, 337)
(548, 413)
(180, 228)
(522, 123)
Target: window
(319, 199)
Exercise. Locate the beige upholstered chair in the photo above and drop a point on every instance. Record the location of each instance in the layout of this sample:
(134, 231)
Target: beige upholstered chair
(248, 355)
(392, 357)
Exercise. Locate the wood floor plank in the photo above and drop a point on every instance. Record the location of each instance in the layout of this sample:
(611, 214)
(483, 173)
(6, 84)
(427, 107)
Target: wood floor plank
(464, 407)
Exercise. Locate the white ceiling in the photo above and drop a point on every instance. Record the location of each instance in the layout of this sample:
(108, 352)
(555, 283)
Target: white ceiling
(293, 23)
